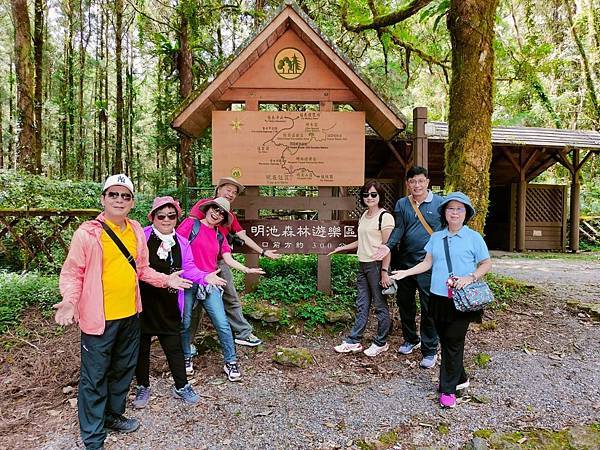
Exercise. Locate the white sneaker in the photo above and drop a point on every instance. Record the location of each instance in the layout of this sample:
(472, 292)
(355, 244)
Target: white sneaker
(345, 347)
(375, 350)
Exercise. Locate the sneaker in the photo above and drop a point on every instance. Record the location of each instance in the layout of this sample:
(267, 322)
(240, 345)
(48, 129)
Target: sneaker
(189, 366)
(142, 397)
(232, 370)
(407, 348)
(464, 385)
(187, 394)
(447, 400)
(346, 347)
(428, 361)
(375, 349)
(121, 424)
(193, 350)
(249, 341)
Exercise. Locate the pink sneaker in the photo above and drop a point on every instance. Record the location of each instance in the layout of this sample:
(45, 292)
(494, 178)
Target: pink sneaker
(447, 400)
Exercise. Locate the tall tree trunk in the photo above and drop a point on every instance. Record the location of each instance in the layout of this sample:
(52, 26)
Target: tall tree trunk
(80, 166)
(1, 127)
(70, 84)
(118, 160)
(25, 89)
(107, 163)
(38, 45)
(587, 70)
(64, 110)
(185, 88)
(97, 168)
(469, 147)
(11, 114)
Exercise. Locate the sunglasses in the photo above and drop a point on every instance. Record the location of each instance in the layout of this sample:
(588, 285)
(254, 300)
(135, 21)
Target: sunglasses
(219, 211)
(369, 194)
(124, 195)
(170, 216)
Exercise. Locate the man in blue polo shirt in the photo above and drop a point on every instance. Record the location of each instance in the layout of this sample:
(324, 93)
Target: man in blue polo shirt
(416, 218)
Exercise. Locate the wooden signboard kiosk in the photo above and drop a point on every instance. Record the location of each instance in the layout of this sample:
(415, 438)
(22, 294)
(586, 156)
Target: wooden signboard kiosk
(289, 62)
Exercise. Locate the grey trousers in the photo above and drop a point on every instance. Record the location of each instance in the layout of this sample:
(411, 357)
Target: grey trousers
(369, 292)
(233, 307)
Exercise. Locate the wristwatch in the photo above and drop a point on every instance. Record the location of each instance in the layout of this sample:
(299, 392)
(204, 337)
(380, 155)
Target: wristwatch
(383, 269)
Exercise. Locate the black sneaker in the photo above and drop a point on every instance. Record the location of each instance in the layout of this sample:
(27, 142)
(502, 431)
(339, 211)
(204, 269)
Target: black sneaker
(232, 370)
(121, 424)
(249, 341)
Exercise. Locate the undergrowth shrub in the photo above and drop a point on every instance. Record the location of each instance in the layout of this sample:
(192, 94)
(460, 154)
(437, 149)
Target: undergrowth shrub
(18, 292)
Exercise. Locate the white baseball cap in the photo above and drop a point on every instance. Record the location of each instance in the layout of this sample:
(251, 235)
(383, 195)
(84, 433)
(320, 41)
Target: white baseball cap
(118, 180)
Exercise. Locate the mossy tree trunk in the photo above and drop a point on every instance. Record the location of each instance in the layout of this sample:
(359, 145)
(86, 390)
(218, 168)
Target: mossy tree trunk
(25, 86)
(469, 147)
(186, 80)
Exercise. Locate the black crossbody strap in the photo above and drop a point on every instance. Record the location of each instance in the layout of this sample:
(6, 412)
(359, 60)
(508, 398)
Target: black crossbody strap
(448, 260)
(119, 244)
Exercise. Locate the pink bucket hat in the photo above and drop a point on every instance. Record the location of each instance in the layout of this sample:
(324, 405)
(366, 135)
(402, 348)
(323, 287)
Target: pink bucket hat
(159, 202)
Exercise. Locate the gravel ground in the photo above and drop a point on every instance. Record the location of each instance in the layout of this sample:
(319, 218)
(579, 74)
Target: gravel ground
(544, 373)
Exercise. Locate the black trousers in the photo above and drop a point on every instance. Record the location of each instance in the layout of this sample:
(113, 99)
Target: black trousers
(171, 345)
(407, 306)
(107, 365)
(452, 329)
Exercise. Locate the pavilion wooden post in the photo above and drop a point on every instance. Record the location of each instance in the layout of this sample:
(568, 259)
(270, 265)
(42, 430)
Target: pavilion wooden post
(521, 211)
(574, 203)
(420, 152)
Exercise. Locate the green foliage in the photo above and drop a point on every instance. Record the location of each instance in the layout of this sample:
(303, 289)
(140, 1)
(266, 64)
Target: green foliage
(291, 283)
(17, 292)
(482, 359)
(506, 289)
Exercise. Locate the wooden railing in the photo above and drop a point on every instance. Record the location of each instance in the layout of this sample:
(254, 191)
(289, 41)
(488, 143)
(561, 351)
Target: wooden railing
(589, 226)
(35, 237)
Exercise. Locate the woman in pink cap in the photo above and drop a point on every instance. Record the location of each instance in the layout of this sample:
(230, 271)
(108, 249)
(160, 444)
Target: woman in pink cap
(162, 308)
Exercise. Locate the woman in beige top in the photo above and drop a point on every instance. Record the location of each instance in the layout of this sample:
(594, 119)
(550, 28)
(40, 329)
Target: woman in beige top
(374, 228)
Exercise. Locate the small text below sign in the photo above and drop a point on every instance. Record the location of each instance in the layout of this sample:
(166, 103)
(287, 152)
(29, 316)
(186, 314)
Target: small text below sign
(300, 236)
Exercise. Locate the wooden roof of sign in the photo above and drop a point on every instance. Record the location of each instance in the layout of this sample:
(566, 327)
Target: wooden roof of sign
(328, 76)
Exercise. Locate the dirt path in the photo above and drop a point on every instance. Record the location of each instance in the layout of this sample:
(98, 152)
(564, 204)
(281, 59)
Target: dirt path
(544, 372)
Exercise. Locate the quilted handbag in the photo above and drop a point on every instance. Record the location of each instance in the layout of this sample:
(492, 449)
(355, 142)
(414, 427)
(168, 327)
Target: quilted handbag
(472, 297)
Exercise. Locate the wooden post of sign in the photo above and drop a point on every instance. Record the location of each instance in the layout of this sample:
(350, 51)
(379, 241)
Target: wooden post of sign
(324, 261)
(420, 152)
(251, 212)
(325, 213)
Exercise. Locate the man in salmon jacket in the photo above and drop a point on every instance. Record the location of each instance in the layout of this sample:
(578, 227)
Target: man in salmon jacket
(100, 290)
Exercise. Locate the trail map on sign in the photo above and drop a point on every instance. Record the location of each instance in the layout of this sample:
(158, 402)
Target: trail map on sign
(289, 148)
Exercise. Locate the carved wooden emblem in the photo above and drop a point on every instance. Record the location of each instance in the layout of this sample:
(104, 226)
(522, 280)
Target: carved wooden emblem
(289, 63)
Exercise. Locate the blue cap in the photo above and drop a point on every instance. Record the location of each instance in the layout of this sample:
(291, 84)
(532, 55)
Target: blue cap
(459, 197)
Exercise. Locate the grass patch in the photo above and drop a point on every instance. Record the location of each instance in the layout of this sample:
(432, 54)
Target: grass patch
(587, 253)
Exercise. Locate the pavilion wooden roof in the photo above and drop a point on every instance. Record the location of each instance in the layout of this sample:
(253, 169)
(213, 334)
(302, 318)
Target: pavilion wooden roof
(528, 136)
(194, 115)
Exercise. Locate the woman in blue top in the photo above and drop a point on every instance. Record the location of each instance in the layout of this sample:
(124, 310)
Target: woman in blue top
(470, 261)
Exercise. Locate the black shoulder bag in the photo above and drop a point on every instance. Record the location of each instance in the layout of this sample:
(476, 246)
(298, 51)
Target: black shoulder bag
(120, 244)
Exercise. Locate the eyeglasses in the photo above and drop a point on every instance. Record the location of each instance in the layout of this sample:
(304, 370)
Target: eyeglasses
(219, 211)
(414, 181)
(170, 216)
(456, 210)
(124, 195)
(369, 194)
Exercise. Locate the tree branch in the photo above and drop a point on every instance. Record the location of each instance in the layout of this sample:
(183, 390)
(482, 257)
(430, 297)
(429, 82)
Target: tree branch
(385, 20)
(420, 53)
